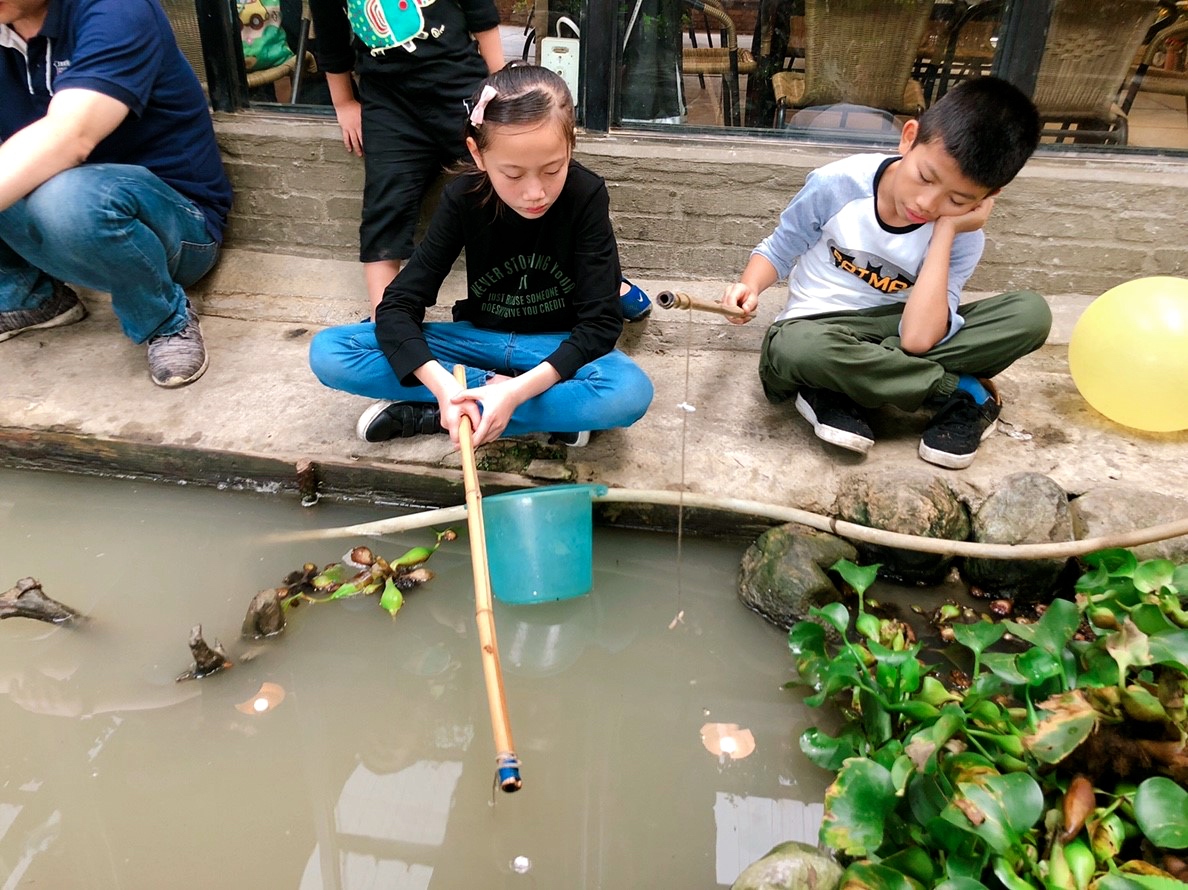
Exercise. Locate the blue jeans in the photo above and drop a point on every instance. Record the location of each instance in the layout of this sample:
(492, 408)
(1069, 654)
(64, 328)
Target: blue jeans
(112, 227)
(611, 391)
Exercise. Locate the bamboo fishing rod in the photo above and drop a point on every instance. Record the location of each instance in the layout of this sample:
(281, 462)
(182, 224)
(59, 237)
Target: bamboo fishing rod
(506, 762)
(676, 300)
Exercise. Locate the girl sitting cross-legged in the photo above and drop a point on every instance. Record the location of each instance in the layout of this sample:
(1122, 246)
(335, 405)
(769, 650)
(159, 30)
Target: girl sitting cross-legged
(537, 329)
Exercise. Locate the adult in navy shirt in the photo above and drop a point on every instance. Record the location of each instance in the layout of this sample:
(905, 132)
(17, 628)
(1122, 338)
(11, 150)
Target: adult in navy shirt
(110, 176)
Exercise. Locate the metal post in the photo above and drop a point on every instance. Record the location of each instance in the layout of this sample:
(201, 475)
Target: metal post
(1021, 42)
(598, 63)
(226, 77)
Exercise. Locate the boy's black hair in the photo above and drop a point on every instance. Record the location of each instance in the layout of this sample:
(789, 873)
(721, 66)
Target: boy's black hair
(988, 125)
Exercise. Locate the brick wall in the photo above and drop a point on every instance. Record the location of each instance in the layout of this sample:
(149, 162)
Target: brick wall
(693, 210)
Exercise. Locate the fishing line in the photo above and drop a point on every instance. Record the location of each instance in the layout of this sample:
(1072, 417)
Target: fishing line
(686, 409)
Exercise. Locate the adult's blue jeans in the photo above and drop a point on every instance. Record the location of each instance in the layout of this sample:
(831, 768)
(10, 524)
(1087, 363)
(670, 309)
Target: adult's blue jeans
(112, 227)
(611, 391)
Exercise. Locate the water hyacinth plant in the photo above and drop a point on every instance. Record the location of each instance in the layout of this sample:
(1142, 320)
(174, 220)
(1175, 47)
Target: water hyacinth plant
(1057, 763)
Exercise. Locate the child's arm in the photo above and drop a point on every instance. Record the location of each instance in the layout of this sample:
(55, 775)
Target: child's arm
(926, 315)
(757, 277)
(347, 110)
(491, 48)
(500, 399)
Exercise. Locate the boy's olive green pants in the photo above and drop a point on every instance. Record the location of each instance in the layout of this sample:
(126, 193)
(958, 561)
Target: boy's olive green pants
(858, 353)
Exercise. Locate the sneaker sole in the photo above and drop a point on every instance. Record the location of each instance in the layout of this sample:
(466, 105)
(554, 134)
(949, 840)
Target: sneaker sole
(77, 312)
(954, 461)
(175, 382)
(832, 435)
(365, 419)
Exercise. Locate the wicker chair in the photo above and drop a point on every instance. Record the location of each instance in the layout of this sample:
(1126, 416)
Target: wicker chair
(183, 17)
(857, 52)
(1154, 79)
(726, 60)
(1087, 58)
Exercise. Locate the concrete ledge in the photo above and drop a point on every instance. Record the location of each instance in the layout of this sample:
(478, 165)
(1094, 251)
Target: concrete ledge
(79, 399)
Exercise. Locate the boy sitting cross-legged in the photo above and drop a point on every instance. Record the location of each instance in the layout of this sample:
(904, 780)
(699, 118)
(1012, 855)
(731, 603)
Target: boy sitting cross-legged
(876, 250)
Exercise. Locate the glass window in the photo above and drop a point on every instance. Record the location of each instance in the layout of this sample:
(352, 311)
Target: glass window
(1105, 73)
(1102, 72)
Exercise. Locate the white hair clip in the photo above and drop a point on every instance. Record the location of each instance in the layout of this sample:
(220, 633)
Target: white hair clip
(480, 107)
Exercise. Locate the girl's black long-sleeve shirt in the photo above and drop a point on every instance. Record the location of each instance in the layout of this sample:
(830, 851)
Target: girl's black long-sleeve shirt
(557, 273)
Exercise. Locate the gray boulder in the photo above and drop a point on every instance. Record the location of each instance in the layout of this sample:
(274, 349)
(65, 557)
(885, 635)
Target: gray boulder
(1112, 509)
(915, 502)
(783, 574)
(1027, 508)
(791, 866)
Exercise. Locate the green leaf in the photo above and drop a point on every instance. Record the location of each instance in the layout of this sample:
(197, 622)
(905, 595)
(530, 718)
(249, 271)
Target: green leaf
(998, 810)
(1169, 647)
(807, 637)
(826, 751)
(1153, 575)
(836, 615)
(331, 575)
(1115, 881)
(1155, 882)
(913, 862)
(868, 625)
(1161, 810)
(1038, 665)
(856, 806)
(1180, 578)
(392, 599)
(858, 577)
(1054, 629)
(1149, 618)
(414, 557)
(1003, 665)
(979, 636)
(1069, 722)
(960, 884)
(1116, 561)
(866, 875)
(1006, 874)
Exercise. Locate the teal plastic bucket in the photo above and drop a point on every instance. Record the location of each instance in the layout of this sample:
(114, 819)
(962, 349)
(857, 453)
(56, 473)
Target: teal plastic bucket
(540, 542)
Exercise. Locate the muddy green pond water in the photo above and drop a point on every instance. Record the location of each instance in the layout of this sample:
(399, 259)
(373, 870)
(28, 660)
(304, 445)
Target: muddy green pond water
(355, 751)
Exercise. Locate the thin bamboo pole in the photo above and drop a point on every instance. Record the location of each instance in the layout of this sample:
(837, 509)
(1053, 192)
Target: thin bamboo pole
(840, 527)
(507, 764)
(676, 300)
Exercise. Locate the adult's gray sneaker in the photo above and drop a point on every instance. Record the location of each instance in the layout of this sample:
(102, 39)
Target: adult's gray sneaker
(178, 359)
(62, 308)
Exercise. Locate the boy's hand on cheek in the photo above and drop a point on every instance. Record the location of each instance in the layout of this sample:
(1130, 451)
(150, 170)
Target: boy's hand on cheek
(973, 219)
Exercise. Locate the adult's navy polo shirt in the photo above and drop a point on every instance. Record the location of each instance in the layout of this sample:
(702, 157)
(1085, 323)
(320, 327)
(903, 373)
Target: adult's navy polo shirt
(124, 49)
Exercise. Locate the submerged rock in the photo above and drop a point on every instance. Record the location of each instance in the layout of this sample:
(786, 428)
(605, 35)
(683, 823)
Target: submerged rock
(1027, 508)
(791, 866)
(783, 574)
(914, 503)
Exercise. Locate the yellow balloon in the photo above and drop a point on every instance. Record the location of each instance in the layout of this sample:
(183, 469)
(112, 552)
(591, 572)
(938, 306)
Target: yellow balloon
(1128, 354)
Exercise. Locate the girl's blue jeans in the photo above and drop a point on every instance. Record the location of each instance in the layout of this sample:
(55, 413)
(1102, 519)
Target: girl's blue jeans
(112, 227)
(611, 391)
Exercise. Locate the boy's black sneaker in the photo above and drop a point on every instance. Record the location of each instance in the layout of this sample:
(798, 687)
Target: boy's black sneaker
(836, 419)
(398, 420)
(952, 437)
(579, 439)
